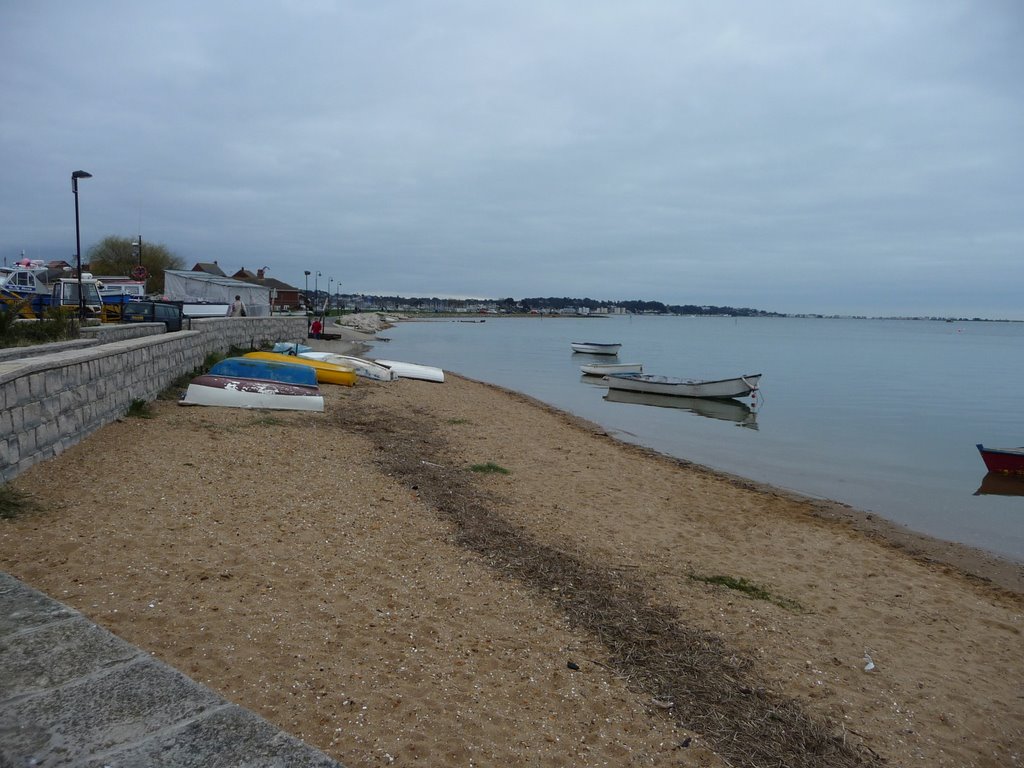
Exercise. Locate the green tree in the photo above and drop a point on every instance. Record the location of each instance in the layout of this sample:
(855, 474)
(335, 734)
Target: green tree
(116, 256)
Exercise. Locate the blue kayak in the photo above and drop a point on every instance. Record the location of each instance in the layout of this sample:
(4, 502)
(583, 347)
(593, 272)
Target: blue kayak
(267, 370)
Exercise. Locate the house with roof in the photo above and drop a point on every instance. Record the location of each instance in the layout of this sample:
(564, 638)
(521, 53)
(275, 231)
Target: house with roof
(210, 268)
(282, 296)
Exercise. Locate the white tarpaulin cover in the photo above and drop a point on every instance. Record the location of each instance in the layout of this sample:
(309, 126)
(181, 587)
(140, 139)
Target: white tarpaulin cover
(183, 285)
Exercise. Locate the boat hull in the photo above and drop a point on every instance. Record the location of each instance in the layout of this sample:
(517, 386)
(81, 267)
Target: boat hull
(414, 371)
(603, 369)
(595, 348)
(326, 373)
(367, 369)
(237, 392)
(1007, 461)
(268, 370)
(740, 386)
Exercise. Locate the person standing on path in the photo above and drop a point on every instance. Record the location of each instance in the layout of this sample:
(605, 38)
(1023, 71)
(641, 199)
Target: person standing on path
(237, 308)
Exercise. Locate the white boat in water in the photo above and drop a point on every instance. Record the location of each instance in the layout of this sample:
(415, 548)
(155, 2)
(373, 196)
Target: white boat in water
(368, 369)
(239, 392)
(595, 348)
(413, 370)
(740, 386)
(603, 369)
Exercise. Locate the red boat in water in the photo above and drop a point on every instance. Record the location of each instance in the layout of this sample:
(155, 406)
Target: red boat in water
(1008, 461)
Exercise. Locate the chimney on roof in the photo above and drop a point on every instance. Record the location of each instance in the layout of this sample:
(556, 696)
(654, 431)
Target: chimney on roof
(259, 274)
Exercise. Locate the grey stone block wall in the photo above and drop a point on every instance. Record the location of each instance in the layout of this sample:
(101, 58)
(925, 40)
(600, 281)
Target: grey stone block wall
(51, 401)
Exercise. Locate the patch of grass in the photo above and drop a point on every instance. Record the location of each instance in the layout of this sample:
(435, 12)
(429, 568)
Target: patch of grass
(455, 422)
(750, 589)
(13, 502)
(268, 420)
(139, 409)
(490, 468)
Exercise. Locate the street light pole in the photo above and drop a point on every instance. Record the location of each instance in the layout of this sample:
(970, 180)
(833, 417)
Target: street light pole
(330, 281)
(75, 176)
(305, 295)
(316, 291)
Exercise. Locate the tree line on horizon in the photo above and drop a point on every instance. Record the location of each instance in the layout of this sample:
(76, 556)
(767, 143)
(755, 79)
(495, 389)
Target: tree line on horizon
(555, 303)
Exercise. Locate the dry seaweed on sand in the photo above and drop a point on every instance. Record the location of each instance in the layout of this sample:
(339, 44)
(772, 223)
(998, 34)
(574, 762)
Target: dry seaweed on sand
(691, 674)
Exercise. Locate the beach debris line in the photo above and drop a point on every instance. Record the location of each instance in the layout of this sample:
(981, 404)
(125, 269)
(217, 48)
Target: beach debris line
(713, 688)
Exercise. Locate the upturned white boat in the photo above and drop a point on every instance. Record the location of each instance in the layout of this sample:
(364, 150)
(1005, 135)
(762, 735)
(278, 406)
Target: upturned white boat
(413, 370)
(740, 386)
(365, 368)
(603, 369)
(238, 392)
(595, 348)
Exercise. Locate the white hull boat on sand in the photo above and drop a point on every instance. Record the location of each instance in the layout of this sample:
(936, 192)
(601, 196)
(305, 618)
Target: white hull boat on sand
(237, 392)
(413, 371)
(740, 386)
(603, 369)
(365, 368)
(595, 348)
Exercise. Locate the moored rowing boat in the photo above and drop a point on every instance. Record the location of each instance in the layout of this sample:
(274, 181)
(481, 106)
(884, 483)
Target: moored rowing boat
(739, 386)
(595, 347)
(603, 369)
(1008, 461)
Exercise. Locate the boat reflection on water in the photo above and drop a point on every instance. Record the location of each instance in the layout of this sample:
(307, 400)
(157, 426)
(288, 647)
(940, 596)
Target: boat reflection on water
(999, 484)
(726, 410)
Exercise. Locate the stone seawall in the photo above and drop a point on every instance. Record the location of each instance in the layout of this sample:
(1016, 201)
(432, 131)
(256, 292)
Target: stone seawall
(53, 400)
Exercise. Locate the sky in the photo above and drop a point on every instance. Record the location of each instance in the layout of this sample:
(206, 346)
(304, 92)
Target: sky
(794, 156)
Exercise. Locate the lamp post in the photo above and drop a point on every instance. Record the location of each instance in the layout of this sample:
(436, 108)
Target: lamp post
(316, 291)
(75, 176)
(305, 296)
(330, 280)
(137, 249)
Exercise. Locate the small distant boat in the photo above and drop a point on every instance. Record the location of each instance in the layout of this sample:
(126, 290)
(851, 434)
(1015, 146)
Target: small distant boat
(1007, 461)
(595, 348)
(603, 369)
(239, 392)
(365, 368)
(267, 370)
(726, 409)
(413, 370)
(740, 386)
(326, 373)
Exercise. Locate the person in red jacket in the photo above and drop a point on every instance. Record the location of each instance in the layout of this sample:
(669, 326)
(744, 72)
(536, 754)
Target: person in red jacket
(315, 328)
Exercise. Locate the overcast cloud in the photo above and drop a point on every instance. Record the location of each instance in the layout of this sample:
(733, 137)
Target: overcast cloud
(804, 156)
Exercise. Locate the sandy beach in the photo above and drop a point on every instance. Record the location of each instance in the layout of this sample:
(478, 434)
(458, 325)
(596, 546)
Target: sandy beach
(453, 574)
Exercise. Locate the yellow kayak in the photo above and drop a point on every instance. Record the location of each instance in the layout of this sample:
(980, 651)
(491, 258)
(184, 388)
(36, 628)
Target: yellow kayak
(326, 373)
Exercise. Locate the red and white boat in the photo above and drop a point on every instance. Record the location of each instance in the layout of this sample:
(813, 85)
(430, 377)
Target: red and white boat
(1008, 461)
(240, 392)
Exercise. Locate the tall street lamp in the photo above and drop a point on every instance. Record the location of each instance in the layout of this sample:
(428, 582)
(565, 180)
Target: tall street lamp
(316, 291)
(137, 249)
(75, 176)
(305, 293)
(330, 280)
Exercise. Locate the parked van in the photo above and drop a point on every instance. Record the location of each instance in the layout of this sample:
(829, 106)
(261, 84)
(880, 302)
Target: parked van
(153, 312)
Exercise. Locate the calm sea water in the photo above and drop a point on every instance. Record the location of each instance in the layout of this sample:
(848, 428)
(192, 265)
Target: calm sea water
(882, 415)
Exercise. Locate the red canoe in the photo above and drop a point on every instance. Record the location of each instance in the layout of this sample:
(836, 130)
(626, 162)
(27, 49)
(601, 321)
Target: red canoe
(1006, 460)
